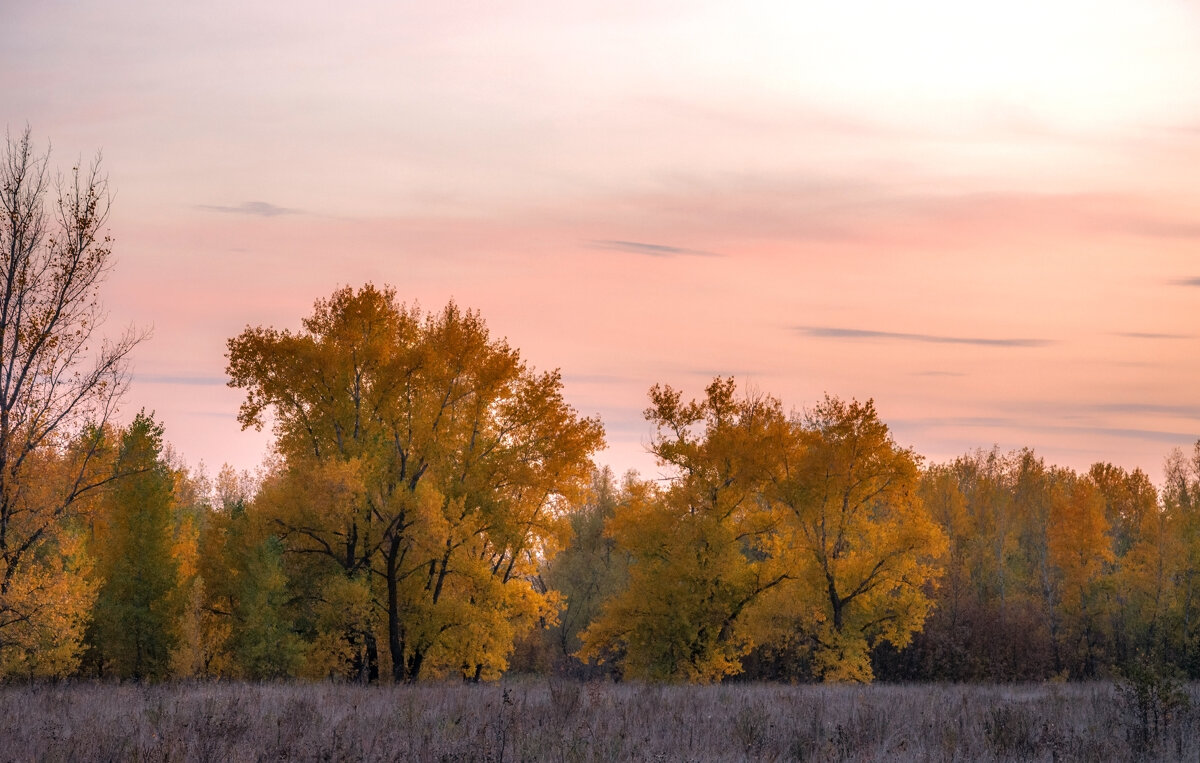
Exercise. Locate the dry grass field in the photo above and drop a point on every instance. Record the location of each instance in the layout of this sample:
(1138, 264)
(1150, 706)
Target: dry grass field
(567, 721)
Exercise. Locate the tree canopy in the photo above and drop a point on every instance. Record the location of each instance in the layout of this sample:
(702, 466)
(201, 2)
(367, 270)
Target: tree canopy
(772, 527)
(424, 465)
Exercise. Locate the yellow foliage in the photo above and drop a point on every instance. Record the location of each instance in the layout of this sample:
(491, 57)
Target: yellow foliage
(45, 610)
(770, 529)
(699, 550)
(345, 615)
(422, 454)
(202, 648)
(1077, 540)
(862, 548)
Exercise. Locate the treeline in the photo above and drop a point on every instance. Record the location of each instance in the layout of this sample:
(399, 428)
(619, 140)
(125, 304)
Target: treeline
(1047, 573)
(431, 510)
(1057, 573)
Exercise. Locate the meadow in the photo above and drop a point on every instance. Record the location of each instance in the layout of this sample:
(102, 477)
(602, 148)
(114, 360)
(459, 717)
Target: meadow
(557, 720)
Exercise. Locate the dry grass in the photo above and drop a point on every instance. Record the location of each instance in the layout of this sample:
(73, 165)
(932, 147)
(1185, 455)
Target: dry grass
(564, 721)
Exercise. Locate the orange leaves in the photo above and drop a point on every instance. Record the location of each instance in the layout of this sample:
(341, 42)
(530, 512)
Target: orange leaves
(44, 611)
(770, 527)
(423, 453)
(1077, 536)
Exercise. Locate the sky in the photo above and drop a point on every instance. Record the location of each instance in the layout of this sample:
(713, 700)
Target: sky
(985, 216)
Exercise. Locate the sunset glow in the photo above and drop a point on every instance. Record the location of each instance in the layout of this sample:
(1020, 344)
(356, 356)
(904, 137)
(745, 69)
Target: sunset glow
(983, 216)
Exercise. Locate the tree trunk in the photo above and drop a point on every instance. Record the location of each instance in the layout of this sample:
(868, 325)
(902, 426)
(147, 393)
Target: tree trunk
(395, 642)
(372, 659)
(414, 665)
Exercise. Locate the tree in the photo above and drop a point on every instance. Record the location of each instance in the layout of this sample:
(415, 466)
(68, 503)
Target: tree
(999, 612)
(424, 463)
(862, 547)
(137, 608)
(702, 551)
(942, 650)
(210, 547)
(1137, 572)
(1181, 501)
(264, 643)
(590, 570)
(1080, 551)
(1128, 498)
(803, 536)
(1144, 584)
(59, 385)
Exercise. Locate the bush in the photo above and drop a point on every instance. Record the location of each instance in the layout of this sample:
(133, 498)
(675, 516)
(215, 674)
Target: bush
(1152, 700)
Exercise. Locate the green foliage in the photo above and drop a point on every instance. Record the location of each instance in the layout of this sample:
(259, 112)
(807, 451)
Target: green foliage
(247, 627)
(137, 607)
(590, 570)
(264, 644)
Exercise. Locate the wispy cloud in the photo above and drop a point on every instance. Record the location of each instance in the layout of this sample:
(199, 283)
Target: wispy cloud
(1021, 425)
(983, 422)
(1152, 227)
(1174, 411)
(1150, 335)
(254, 208)
(827, 332)
(1153, 435)
(802, 207)
(938, 373)
(1187, 282)
(188, 381)
(652, 250)
(1096, 413)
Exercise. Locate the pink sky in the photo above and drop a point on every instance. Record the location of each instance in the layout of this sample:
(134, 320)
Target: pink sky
(985, 216)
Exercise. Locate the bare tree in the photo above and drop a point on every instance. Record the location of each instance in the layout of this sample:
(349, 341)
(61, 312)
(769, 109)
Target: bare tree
(60, 382)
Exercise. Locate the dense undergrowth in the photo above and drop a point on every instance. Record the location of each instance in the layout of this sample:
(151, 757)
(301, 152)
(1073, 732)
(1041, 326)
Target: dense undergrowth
(571, 721)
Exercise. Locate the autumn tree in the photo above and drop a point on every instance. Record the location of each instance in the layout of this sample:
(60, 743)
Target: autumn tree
(1053, 572)
(425, 467)
(1008, 499)
(1181, 504)
(196, 648)
(137, 608)
(59, 384)
(862, 548)
(245, 627)
(1081, 554)
(1129, 500)
(1132, 584)
(1144, 579)
(702, 550)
